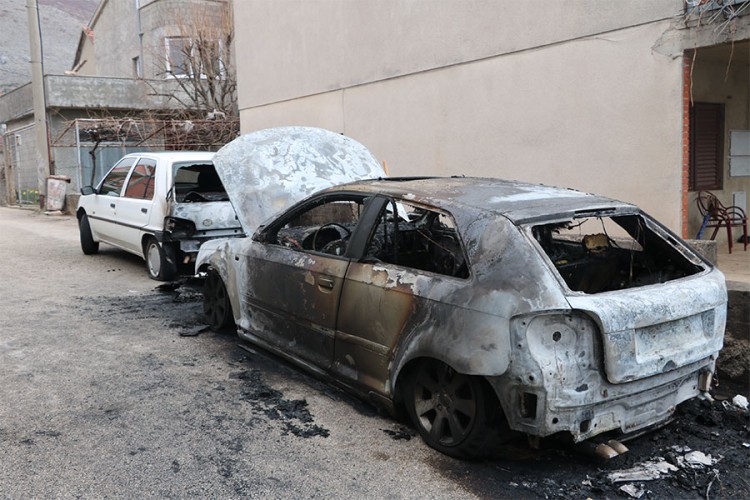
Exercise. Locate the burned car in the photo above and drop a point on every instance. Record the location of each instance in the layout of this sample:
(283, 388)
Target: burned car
(483, 308)
(160, 206)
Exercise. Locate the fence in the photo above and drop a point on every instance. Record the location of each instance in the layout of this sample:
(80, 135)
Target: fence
(84, 149)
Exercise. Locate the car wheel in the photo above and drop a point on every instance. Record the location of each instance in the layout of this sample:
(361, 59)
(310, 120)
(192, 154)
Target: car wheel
(88, 245)
(159, 261)
(452, 412)
(216, 305)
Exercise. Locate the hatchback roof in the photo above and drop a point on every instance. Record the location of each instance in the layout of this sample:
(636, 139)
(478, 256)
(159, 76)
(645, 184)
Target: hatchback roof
(518, 201)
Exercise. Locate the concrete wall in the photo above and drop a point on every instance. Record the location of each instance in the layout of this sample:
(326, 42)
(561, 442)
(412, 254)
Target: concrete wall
(106, 93)
(566, 95)
(170, 18)
(115, 38)
(17, 103)
(721, 76)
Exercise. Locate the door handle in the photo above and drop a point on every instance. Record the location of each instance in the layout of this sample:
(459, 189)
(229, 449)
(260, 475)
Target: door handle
(112, 205)
(325, 283)
(144, 210)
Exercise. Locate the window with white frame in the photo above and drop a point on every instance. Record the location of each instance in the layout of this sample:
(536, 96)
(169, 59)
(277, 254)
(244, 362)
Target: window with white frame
(188, 57)
(178, 50)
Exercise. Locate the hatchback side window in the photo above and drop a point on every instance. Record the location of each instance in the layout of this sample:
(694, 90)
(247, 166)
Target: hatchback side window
(325, 226)
(141, 183)
(419, 238)
(113, 182)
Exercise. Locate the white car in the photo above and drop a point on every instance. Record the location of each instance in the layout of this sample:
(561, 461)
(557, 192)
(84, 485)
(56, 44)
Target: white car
(160, 206)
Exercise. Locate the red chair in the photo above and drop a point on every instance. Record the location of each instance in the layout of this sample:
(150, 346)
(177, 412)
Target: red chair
(716, 215)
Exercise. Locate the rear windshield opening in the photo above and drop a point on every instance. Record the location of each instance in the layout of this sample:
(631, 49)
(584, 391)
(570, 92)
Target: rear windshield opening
(198, 182)
(600, 254)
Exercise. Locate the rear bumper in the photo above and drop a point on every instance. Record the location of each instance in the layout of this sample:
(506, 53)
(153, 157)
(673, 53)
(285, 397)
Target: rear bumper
(601, 407)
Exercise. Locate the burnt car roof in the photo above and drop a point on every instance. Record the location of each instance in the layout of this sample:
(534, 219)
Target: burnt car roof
(518, 201)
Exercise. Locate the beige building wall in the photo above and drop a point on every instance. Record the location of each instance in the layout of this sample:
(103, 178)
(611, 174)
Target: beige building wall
(572, 95)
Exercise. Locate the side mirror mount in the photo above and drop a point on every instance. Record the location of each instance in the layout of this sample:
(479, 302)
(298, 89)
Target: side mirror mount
(87, 190)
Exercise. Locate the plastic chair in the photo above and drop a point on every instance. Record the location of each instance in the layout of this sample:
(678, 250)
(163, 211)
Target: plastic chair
(716, 215)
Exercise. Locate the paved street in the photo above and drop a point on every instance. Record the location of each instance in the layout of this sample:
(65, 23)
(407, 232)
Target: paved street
(101, 396)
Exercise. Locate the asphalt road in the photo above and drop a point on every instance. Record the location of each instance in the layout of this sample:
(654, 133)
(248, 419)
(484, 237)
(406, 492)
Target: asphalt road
(112, 387)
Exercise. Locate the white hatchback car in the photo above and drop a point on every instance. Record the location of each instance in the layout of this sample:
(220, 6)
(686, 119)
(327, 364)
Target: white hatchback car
(160, 206)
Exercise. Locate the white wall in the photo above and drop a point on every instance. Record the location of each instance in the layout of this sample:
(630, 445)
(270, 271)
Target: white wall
(565, 93)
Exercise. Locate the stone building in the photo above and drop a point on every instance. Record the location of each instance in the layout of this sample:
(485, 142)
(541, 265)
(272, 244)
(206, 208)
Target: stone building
(126, 91)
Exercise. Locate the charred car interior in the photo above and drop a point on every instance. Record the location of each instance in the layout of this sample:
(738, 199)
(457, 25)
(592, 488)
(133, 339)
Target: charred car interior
(197, 183)
(597, 253)
(404, 234)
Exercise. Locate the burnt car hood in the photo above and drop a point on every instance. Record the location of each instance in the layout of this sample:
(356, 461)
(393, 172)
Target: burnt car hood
(267, 171)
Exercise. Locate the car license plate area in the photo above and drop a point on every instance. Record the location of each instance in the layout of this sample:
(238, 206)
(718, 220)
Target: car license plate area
(660, 348)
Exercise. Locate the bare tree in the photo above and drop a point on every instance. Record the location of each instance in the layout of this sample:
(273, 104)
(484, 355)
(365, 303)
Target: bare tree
(199, 63)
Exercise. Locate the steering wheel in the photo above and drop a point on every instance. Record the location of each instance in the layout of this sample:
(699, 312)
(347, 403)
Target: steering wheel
(347, 233)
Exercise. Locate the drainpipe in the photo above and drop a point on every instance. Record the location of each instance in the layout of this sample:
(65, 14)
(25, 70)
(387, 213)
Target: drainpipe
(41, 127)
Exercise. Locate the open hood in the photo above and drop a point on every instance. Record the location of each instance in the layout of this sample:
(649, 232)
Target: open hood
(269, 170)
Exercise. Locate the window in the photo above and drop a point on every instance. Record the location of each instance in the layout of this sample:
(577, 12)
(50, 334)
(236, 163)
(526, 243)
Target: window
(418, 238)
(706, 146)
(188, 57)
(601, 254)
(137, 70)
(113, 182)
(198, 182)
(141, 183)
(323, 227)
(178, 56)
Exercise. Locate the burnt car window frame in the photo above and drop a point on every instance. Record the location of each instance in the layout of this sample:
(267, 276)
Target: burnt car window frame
(268, 235)
(661, 233)
(394, 200)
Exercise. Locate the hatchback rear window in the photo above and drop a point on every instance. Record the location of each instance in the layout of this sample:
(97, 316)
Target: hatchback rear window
(595, 254)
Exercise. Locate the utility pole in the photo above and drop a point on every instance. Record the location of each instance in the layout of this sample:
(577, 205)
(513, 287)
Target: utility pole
(40, 100)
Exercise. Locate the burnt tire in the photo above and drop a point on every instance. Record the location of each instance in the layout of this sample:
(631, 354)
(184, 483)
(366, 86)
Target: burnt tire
(217, 308)
(160, 262)
(454, 413)
(88, 245)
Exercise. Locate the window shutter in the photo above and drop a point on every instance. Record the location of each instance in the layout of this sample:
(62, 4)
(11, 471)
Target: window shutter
(706, 146)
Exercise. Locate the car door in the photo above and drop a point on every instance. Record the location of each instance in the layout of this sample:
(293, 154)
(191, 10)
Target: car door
(134, 206)
(414, 270)
(102, 211)
(295, 272)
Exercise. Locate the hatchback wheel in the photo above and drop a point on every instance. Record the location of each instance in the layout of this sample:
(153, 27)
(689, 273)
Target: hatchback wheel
(159, 261)
(453, 412)
(216, 305)
(88, 245)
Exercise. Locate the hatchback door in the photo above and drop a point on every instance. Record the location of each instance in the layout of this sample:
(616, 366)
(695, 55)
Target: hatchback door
(295, 276)
(103, 208)
(414, 270)
(134, 207)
